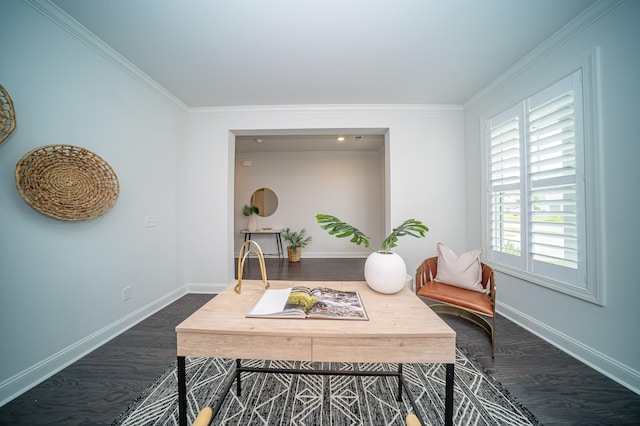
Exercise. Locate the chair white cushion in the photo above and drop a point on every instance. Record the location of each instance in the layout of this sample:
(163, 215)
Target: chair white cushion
(461, 271)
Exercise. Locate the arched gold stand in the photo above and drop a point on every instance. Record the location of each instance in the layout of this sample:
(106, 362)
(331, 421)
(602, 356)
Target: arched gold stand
(241, 259)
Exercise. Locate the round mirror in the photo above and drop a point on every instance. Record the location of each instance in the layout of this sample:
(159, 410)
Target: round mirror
(265, 200)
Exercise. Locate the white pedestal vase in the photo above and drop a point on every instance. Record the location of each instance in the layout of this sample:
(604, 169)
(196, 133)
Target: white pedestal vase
(385, 272)
(252, 225)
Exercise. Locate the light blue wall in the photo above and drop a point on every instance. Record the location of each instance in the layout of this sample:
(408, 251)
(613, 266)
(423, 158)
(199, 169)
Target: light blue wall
(605, 337)
(61, 282)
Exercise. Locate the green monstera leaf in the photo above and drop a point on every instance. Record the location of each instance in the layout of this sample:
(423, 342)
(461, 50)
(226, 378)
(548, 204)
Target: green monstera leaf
(341, 229)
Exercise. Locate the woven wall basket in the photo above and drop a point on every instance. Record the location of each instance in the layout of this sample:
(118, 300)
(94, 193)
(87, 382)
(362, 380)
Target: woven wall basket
(67, 182)
(7, 115)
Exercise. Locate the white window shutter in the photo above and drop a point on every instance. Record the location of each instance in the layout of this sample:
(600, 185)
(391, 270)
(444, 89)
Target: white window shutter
(534, 216)
(505, 179)
(552, 182)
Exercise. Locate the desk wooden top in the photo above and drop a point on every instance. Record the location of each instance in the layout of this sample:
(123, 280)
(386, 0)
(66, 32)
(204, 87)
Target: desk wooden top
(401, 328)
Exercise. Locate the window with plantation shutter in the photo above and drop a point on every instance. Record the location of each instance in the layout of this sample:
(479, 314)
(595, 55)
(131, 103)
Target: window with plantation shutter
(553, 166)
(535, 185)
(504, 182)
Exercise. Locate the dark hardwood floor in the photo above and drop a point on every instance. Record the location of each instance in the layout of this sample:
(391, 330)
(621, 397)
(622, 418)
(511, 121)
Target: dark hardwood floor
(93, 391)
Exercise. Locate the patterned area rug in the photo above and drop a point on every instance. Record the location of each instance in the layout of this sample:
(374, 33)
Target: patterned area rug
(288, 399)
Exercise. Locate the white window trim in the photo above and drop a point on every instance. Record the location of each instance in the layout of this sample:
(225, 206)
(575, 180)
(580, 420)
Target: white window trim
(593, 290)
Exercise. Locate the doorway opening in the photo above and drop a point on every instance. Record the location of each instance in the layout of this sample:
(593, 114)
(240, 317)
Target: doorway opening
(343, 172)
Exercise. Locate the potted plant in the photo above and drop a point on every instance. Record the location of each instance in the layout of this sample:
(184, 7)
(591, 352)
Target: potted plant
(384, 270)
(296, 241)
(250, 211)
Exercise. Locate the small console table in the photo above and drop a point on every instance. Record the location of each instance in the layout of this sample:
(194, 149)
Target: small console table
(276, 232)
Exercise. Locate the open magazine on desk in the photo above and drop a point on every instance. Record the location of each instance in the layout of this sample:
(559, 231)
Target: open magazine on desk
(304, 302)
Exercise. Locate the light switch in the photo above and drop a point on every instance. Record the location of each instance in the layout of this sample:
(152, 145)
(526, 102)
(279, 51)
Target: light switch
(149, 221)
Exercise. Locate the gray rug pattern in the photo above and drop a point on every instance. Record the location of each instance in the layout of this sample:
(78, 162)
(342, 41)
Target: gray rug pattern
(309, 400)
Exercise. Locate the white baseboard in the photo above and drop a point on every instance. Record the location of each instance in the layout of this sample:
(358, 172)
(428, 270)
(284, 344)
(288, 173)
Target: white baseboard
(611, 368)
(321, 255)
(206, 288)
(18, 384)
(334, 255)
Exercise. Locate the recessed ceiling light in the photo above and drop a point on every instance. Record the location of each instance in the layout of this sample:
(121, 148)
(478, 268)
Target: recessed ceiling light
(258, 140)
(340, 138)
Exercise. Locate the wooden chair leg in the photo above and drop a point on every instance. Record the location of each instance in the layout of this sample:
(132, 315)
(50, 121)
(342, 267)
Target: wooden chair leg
(412, 420)
(204, 417)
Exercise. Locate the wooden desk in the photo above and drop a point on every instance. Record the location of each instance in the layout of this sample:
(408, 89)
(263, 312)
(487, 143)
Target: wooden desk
(276, 232)
(400, 329)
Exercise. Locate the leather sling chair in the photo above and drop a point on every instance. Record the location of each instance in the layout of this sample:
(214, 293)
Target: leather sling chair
(472, 305)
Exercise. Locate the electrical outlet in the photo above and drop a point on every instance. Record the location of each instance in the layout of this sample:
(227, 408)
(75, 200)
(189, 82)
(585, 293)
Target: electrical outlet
(150, 221)
(126, 293)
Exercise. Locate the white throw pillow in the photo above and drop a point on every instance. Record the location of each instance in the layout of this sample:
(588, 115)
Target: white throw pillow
(461, 271)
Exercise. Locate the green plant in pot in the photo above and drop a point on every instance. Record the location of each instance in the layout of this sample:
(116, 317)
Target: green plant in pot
(295, 240)
(384, 270)
(251, 211)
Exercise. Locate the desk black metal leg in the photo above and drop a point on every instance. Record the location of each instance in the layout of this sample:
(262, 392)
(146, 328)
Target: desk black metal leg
(448, 402)
(399, 397)
(182, 392)
(225, 391)
(236, 375)
(239, 374)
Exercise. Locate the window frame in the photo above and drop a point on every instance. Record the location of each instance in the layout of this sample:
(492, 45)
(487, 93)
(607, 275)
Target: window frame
(590, 289)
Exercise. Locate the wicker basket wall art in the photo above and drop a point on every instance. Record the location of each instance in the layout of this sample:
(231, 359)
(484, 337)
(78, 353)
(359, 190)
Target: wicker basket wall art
(7, 115)
(67, 182)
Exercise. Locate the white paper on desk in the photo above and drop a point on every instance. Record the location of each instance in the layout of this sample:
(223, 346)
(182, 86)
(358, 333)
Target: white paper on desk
(272, 301)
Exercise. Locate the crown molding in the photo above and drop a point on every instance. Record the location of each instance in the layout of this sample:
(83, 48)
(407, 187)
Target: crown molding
(328, 108)
(566, 33)
(81, 33)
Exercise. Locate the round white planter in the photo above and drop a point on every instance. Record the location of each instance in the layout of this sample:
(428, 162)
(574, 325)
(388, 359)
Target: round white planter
(385, 272)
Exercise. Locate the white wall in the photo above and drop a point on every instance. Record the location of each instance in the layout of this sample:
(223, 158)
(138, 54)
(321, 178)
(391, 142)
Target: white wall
(425, 166)
(606, 337)
(61, 282)
(349, 185)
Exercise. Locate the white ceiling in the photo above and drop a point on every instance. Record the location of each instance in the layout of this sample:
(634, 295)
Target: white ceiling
(301, 52)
